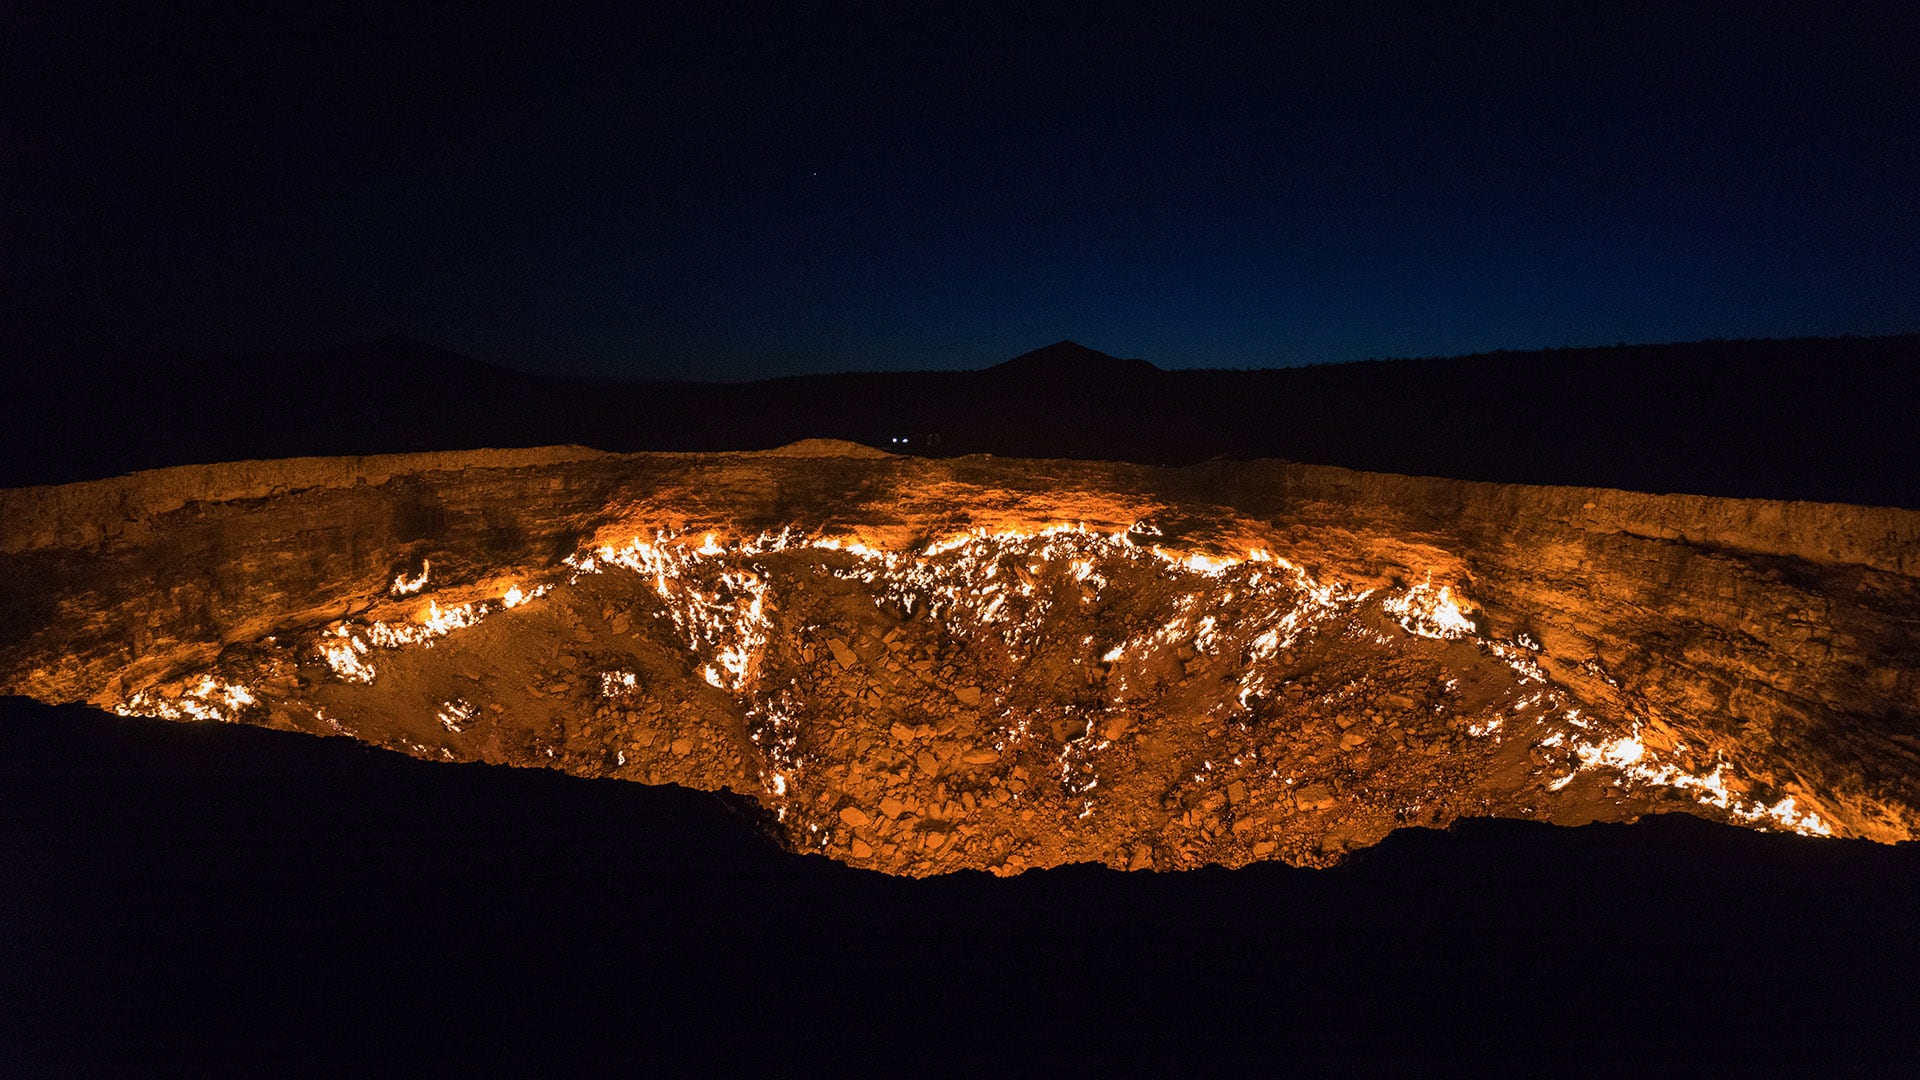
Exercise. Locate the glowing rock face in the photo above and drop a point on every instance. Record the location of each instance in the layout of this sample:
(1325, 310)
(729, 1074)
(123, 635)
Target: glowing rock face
(1007, 664)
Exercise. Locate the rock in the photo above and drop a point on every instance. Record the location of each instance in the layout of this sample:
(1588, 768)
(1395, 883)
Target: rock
(854, 816)
(980, 757)
(1237, 792)
(1141, 858)
(1264, 848)
(841, 654)
(967, 695)
(1314, 797)
(682, 746)
(861, 849)
(892, 807)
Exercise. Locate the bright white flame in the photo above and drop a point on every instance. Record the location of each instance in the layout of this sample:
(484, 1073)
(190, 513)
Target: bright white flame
(614, 684)
(208, 699)
(346, 655)
(719, 609)
(406, 586)
(454, 715)
(1429, 612)
(1631, 758)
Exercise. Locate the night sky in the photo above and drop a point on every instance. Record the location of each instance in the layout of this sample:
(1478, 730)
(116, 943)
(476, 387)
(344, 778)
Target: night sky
(656, 190)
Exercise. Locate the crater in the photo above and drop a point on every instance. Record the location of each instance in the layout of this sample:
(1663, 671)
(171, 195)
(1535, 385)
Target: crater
(920, 666)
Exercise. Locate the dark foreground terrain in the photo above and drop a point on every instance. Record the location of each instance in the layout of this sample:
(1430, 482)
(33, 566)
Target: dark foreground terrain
(202, 899)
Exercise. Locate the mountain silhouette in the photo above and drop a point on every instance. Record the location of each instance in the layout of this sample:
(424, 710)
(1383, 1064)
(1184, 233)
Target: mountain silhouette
(1068, 360)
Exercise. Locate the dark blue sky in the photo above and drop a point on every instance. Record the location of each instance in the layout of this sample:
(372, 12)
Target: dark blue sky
(652, 191)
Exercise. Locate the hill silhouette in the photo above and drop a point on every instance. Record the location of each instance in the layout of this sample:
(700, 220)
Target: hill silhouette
(1826, 419)
(1070, 360)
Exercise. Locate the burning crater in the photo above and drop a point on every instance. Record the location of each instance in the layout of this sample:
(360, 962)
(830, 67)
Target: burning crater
(921, 666)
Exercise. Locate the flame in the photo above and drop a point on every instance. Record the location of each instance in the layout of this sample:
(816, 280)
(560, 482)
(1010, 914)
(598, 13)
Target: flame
(207, 699)
(1429, 612)
(345, 647)
(615, 684)
(1631, 757)
(406, 586)
(454, 715)
(346, 656)
(718, 609)
(1207, 564)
